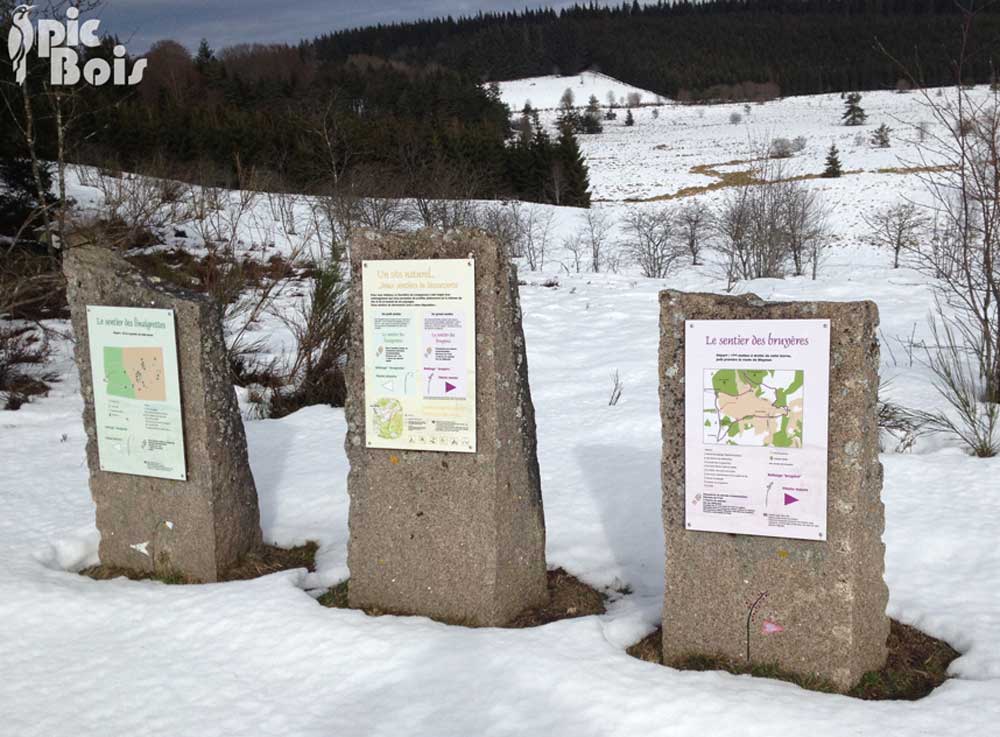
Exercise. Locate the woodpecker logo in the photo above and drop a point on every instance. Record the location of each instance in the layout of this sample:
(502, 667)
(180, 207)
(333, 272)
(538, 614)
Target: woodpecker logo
(60, 42)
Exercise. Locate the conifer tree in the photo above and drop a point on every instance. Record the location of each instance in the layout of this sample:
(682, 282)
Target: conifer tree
(568, 116)
(541, 161)
(576, 191)
(629, 120)
(833, 168)
(854, 114)
(591, 120)
(881, 136)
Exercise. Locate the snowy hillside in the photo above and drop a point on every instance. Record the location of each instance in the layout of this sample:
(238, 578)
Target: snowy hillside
(544, 93)
(81, 657)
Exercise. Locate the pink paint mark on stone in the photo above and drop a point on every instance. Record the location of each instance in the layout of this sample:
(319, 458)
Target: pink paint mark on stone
(770, 627)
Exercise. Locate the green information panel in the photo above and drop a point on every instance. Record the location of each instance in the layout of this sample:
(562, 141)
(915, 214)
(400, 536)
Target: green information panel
(137, 397)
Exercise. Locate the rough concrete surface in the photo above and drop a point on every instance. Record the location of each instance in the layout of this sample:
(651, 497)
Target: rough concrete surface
(201, 526)
(829, 596)
(455, 536)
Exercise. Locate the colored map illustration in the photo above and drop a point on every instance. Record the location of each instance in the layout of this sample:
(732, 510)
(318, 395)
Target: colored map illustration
(388, 415)
(135, 373)
(753, 407)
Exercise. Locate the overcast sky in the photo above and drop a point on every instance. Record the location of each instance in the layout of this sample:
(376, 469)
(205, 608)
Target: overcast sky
(226, 22)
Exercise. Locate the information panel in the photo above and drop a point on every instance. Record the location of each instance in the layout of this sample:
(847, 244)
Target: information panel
(137, 396)
(420, 354)
(756, 426)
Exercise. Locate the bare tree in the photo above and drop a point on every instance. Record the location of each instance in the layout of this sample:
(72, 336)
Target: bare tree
(37, 104)
(651, 241)
(575, 246)
(135, 208)
(596, 237)
(897, 228)
(751, 228)
(536, 228)
(695, 221)
(442, 194)
(770, 224)
(966, 203)
(803, 221)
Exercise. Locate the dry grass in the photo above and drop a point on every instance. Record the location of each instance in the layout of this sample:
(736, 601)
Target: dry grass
(913, 169)
(917, 664)
(268, 559)
(746, 177)
(568, 598)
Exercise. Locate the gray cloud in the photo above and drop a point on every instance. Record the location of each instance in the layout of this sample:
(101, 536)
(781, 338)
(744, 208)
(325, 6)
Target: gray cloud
(227, 22)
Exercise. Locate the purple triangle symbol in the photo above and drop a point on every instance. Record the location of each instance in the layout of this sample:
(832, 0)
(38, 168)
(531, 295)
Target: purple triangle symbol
(449, 387)
(789, 499)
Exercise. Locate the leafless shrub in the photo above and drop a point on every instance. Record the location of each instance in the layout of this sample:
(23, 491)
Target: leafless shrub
(651, 241)
(135, 208)
(617, 386)
(443, 195)
(898, 424)
(502, 222)
(896, 228)
(695, 221)
(782, 148)
(974, 417)
(964, 253)
(769, 224)
(596, 237)
(320, 324)
(385, 214)
(283, 208)
(803, 224)
(23, 350)
(735, 118)
(574, 245)
(523, 231)
(536, 230)
(238, 238)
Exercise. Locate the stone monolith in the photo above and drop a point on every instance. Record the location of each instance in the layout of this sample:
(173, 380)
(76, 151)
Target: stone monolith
(198, 527)
(829, 595)
(459, 537)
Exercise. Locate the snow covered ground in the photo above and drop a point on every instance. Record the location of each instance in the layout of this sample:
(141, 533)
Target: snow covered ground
(544, 93)
(83, 657)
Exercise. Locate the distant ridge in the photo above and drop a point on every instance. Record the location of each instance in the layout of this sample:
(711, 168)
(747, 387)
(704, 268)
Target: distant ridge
(696, 50)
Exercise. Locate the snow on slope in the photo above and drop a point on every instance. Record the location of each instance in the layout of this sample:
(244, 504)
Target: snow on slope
(544, 93)
(81, 657)
(655, 157)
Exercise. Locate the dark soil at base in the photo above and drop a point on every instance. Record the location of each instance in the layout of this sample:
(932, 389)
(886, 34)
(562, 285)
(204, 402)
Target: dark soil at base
(917, 664)
(568, 598)
(268, 559)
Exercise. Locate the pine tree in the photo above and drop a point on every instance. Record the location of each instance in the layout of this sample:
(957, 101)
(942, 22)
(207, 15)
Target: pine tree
(204, 57)
(590, 122)
(854, 114)
(576, 192)
(881, 136)
(629, 120)
(568, 117)
(541, 161)
(833, 169)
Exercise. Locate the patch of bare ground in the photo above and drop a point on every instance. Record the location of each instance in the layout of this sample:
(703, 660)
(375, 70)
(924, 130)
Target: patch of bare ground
(568, 598)
(746, 177)
(266, 560)
(917, 664)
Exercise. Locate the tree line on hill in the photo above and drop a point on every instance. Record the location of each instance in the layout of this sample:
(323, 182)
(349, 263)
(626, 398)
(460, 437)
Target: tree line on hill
(373, 126)
(710, 50)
